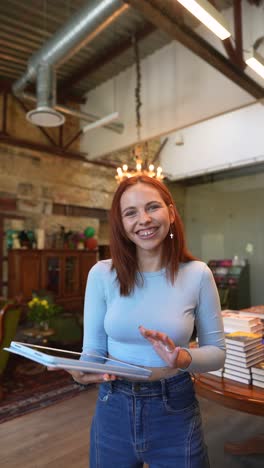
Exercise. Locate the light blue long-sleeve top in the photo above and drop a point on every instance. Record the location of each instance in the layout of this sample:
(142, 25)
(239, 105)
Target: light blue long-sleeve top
(111, 321)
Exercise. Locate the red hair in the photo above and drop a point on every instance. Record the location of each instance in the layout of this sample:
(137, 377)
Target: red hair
(123, 250)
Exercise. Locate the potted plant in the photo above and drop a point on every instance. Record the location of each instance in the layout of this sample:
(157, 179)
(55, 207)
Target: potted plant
(41, 310)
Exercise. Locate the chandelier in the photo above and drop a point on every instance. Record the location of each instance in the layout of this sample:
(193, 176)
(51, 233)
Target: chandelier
(143, 165)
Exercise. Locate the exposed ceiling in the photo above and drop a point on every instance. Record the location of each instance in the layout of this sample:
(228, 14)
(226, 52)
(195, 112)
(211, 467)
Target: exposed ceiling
(27, 25)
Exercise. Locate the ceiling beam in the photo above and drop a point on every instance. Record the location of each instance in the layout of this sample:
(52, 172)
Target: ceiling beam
(42, 148)
(108, 56)
(235, 53)
(54, 151)
(5, 85)
(238, 28)
(41, 129)
(188, 38)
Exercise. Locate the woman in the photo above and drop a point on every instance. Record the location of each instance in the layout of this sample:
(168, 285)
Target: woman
(141, 308)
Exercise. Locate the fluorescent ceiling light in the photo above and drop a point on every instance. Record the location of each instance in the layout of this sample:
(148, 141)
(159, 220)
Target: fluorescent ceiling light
(101, 122)
(209, 16)
(256, 62)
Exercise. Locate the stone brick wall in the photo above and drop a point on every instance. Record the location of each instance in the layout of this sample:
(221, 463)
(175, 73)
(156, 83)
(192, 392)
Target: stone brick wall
(37, 180)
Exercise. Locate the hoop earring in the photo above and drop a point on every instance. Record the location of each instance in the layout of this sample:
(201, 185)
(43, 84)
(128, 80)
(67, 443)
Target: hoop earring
(171, 234)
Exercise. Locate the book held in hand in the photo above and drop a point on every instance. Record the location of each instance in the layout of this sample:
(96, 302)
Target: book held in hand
(92, 363)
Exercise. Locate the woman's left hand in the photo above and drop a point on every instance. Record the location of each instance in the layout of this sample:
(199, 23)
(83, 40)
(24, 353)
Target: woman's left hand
(164, 346)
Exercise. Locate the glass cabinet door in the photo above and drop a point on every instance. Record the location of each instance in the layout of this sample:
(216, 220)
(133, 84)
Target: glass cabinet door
(52, 274)
(71, 275)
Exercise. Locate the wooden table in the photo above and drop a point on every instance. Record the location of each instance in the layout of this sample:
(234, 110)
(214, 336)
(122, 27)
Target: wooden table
(41, 335)
(238, 396)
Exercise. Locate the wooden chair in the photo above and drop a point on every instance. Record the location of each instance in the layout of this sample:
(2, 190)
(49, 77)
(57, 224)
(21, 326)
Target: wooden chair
(9, 318)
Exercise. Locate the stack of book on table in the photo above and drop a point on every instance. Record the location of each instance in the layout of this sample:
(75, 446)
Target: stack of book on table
(258, 374)
(243, 350)
(239, 321)
(254, 311)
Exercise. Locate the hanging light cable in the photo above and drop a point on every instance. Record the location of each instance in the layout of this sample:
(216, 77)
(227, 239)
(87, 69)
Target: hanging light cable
(140, 150)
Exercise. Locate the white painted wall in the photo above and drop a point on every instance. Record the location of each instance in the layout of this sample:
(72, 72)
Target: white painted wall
(178, 90)
(231, 140)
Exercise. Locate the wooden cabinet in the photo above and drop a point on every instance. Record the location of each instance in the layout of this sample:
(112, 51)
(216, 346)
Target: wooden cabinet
(62, 272)
(104, 252)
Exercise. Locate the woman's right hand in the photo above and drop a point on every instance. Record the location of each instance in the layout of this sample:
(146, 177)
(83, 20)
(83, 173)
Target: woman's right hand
(85, 378)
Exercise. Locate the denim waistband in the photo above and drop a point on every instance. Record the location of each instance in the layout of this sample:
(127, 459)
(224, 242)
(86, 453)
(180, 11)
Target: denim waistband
(156, 387)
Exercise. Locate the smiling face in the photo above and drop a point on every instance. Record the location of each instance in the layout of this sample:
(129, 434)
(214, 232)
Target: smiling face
(146, 218)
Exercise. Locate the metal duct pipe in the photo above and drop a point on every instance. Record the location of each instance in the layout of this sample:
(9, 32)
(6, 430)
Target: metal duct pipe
(46, 85)
(45, 115)
(86, 24)
(70, 38)
(87, 117)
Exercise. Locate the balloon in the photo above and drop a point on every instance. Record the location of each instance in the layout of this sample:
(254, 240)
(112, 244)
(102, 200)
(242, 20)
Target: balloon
(89, 232)
(91, 243)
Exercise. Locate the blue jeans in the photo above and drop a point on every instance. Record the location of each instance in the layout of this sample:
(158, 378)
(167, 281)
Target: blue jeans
(158, 423)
